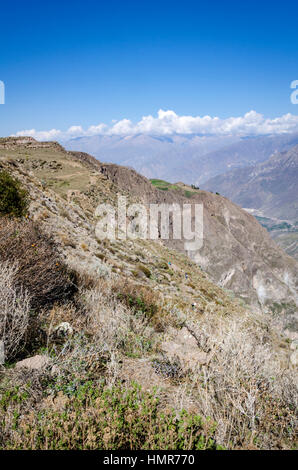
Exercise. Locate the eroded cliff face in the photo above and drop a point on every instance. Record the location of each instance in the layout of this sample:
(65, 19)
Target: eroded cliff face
(237, 253)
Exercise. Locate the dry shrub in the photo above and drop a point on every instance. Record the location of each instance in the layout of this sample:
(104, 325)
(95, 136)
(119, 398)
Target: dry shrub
(40, 270)
(114, 325)
(14, 311)
(68, 312)
(144, 270)
(246, 386)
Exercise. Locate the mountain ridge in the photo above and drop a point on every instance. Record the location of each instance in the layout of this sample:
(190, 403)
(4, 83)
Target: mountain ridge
(191, 158)
(237, 252)
(269, 191)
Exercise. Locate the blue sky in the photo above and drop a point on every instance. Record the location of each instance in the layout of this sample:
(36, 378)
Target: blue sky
(86, 62)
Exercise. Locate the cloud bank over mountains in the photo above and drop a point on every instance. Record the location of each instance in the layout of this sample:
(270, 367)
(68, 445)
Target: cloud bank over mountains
(169, 123)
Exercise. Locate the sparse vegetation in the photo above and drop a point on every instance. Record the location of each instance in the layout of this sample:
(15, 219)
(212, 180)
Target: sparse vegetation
(163, 265)
(249, 397)
(95, 417)
(138, 298)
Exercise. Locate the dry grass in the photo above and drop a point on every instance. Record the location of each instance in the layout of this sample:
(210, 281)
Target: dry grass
(140, 298)
(114, 325)
(246, 387)
(14, 311)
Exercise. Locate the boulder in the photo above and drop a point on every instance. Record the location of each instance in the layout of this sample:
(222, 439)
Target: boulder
(34, 363)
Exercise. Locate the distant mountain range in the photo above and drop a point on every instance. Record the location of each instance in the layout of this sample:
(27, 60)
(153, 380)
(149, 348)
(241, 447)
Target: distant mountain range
(165, 157)
(269, 190)
(270, 186)
(190, 158)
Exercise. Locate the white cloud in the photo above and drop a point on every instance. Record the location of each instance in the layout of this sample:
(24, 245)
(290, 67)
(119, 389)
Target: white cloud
(169, 123)
(41, 135)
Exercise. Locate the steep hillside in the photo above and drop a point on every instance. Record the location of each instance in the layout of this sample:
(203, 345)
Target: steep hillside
(237, 252)
(270, 186)
(92, 318)
(65, 189)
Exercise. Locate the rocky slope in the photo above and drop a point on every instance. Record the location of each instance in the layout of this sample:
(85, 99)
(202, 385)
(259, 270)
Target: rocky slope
(237, 252)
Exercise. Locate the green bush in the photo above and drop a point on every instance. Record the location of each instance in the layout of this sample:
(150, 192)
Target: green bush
(95, 417)
(13, 198)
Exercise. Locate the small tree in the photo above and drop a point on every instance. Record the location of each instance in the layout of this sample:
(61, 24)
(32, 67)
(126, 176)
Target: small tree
(13, 198)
